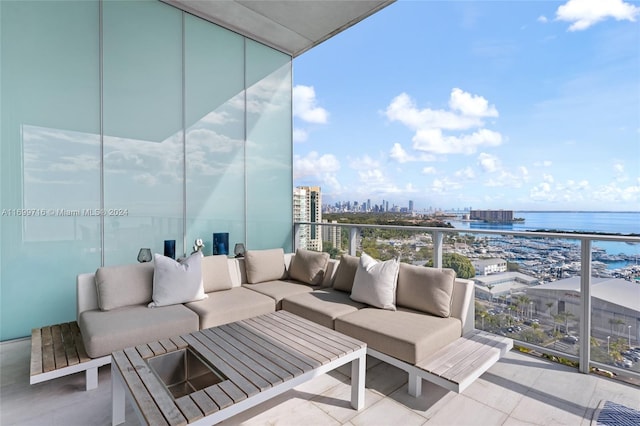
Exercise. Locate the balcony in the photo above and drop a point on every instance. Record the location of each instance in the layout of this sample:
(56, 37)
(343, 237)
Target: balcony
(524, 387)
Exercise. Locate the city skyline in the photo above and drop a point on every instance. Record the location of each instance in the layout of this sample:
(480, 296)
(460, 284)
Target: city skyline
(522, 106)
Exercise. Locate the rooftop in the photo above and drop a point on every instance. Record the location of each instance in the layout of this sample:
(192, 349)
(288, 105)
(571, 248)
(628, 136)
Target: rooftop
(520, 389)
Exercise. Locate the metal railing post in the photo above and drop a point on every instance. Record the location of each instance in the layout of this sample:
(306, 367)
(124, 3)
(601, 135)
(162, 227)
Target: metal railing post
(353, 240)
(585, 304)
(437, 249)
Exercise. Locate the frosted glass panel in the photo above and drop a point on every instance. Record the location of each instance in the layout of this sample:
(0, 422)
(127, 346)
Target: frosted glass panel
(214, 83)
(268, 151)
(143, 137)
(49, 159)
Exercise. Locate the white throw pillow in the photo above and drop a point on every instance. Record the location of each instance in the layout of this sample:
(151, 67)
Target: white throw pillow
(177, 282)
(375, 282)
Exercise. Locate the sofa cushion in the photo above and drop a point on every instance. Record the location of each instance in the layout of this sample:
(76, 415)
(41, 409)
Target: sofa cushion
(231, 305)
(105, 332)
(404, 334)
(308, 266)
(346, 273)
(425, 289)
(321, 306)
(124, 285)
(278, 290)
(375, 282)
(264, 265)
(215, 273)
(177, 282)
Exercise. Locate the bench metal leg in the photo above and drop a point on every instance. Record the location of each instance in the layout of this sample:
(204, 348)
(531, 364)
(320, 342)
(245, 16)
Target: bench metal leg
(117, 398)
(358, 367)
(91, 378)
(415, 385)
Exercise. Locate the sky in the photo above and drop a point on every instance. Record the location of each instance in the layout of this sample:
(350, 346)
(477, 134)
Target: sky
(516, 105)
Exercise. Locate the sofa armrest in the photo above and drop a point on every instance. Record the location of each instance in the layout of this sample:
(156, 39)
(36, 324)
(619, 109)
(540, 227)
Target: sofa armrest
(462, 303)
(86, 293)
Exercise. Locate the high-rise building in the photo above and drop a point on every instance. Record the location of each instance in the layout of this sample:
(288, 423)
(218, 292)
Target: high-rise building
(410, 206)
(301, 214)
(312, 207)
(332, 234)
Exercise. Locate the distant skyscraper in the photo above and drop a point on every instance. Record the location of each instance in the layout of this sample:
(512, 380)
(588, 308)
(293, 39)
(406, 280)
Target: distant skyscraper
(301, 214)
(313, 211)
(410, 205)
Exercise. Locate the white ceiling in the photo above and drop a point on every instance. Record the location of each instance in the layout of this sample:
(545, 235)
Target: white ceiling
(291, 26)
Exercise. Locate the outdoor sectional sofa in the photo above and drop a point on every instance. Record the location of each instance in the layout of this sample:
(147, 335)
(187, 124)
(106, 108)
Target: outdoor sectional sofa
(113, 310)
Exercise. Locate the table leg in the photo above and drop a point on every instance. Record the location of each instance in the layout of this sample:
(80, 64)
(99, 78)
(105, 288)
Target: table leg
(358, 366)
(117, 397)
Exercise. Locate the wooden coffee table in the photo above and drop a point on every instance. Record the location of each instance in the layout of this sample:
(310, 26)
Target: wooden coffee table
(257, 359)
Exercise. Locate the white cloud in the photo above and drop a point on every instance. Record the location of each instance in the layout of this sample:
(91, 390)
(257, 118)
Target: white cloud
(471, 105)
(300, 135)
(466, 111)
(489, 163)
(399, 154)
(429, 171)
(584, 13)
(314, 164)
(304, 105)
(364, 163)
(545, 163)
(618, 168)
(432, 140)
(466, 173)
(542, 19)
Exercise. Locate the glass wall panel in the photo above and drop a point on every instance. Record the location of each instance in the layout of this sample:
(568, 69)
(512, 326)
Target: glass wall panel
(143, 136)
(268, 150)
(214, 94)
(49, 159)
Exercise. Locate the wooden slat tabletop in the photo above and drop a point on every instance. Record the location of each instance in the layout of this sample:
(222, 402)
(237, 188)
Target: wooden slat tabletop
(254, 355)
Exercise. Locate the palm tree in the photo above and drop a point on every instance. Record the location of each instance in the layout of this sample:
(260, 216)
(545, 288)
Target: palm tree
(549, 306)
(565, 315)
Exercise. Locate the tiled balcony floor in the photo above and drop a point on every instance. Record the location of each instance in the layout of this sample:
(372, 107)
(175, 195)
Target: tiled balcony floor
(518, 390)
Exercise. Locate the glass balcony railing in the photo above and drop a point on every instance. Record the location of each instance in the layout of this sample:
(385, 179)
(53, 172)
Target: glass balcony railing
(565, 296)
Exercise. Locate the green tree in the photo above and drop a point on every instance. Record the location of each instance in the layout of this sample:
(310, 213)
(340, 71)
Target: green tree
(327, 247)
(457, 262)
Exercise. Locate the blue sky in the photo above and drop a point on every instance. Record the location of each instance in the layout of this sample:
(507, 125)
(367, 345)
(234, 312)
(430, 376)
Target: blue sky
(522, 105)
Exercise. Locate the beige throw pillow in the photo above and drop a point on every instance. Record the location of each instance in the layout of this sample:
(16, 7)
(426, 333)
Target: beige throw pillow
(124, 285)
(308, 266)
(375, 282)
(215, 273)
(426, 289)
(177, 282)
(264, 265)
(346, 273)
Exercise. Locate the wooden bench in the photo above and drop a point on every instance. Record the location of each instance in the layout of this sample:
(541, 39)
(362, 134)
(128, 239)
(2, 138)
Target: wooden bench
(58, 350)
(455, 366)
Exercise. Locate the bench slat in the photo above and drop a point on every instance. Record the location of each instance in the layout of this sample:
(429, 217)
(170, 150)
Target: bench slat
(225, 394)
(77, 338)
(36, 351)
(243, 365)
(248, 388)
(144, 351)
(162, 398)
(189, 408)
(148, 408)
(48, 360)
(238, 333)
(253, 356)
(204, 402)
(319, 337)
(69, 344)
(304, 363)
(305, 339)
(293, 342)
